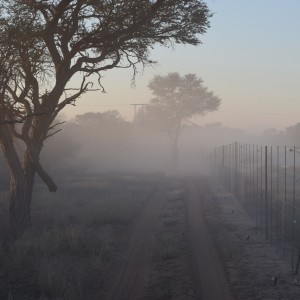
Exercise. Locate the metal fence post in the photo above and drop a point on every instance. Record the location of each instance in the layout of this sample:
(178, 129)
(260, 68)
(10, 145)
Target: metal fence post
(266, 191)
(284, 205)
(271, 192)
(257, 189)
(261, 187)
(253, 181)
(277, 199)
(294, 206)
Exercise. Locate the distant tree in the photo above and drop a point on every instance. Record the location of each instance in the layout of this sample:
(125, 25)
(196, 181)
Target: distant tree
(270, 132)
(293, 133)
(105, 137)
(110, 117)
(110, 130)
(45, 43)
(176, 100)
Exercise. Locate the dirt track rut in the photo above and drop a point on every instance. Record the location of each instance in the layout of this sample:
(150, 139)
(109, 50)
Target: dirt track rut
(133, 276)
(209, 278)
(209, 283)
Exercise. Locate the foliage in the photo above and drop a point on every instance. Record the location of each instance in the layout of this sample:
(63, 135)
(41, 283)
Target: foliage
(107, 118)
(293, 132)
(179, 98)
(176, 100)
(45, 43)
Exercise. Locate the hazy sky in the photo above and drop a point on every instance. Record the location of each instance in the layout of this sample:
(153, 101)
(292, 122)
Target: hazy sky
(250, 57)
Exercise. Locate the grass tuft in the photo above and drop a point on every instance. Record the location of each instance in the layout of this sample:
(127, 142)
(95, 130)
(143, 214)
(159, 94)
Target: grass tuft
(58, 280)
(82, 225)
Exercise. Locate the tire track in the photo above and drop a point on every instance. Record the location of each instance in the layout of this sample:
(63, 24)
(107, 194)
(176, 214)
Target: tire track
(209, 278)
(133, 276)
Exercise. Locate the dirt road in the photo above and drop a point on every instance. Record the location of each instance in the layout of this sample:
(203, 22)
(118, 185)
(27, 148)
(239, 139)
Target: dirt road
(132, 277)
(135, 277)
(209, 278)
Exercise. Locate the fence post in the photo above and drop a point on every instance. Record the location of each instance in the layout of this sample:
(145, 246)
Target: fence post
(246, 177)
(271, 192)
(257, 190)
(261, 187)
(244, 173)
(294, 206)
(277, 199)
(284, 205)
(253, 181)
(266, 190)
(236, 167)
(252, 178)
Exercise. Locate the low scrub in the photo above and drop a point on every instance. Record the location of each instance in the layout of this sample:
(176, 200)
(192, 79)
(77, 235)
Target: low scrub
(76, 232)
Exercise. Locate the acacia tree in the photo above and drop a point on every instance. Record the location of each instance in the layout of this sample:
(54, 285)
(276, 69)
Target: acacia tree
(45, 43)
(176, 100)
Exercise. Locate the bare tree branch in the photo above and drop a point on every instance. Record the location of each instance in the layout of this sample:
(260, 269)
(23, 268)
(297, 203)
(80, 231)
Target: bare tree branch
(22, 120)
(45, 43)
(45, 177)
(53, 133)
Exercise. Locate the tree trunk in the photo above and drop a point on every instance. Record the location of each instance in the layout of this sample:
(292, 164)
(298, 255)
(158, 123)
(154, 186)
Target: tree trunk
(174, 135)
(20, 200)
(21, 185)
(22, 174)
(174, 159)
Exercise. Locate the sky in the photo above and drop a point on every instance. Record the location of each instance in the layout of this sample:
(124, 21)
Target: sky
(249, 57)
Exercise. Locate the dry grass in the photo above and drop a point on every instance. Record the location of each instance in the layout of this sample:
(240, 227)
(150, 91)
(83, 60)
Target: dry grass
(59, 279)
(76, 232)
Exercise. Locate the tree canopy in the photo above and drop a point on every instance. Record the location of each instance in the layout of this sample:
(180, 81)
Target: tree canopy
(179, 98)
(176, 99)
(45, 43)
(48, 42)
(105, 119)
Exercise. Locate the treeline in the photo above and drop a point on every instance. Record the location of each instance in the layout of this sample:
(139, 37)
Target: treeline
(106, 142)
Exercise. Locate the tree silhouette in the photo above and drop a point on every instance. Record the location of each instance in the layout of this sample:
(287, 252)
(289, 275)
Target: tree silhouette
(176, 100)
(45, 43)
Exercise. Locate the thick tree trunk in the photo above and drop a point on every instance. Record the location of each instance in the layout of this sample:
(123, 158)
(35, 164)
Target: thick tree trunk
(19, 210)
(22, 174)
(21, 185)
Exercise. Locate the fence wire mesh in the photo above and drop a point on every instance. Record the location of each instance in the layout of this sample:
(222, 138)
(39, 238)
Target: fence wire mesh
(265, 179)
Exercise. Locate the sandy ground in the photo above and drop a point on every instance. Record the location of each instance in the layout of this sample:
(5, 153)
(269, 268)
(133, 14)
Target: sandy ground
(250, 261)
(134, 270)
(170, 254)
(195, 241)
(209, 277)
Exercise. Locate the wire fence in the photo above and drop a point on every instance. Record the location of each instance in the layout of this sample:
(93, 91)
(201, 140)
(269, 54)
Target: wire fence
(265, 179)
